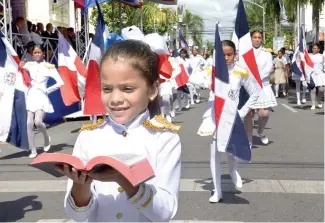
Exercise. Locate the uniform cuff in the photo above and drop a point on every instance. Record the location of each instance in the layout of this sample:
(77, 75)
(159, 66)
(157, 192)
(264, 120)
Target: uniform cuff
(143, 197)
(80, 209)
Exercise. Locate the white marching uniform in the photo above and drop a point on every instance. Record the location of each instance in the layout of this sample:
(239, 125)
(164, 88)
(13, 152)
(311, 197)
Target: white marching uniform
(157, 199)
(264, 62)
(318, 74)
(37, 95)
(166, 88)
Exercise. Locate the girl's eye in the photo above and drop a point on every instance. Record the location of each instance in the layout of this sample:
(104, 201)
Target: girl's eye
(107, 89)
(129, 89)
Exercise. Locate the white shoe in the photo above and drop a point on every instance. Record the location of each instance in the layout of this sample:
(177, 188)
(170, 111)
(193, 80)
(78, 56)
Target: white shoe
(47, 148)
(172, 114)
(197, 101)
(33, 154)
(298, 103)
(264, 139)
(276, 96)
(320, 105)
(313, 107)
(236, 179)
(284, 94)
(215, 198)
(169, 119)
(188, 106)
(303, 101)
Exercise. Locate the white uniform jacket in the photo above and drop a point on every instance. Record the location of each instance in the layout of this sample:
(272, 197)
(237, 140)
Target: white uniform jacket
(157, 199)
(265, 64)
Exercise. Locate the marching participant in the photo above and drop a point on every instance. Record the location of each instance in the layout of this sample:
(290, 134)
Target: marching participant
(266, 99)
(318, 77)
(238, 77)
(129, 83)
(37, 100)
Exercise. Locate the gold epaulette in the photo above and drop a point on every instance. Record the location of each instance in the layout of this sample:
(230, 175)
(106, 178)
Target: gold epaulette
(163, 124)
(49, 65)
(240, 71)
(91, 126)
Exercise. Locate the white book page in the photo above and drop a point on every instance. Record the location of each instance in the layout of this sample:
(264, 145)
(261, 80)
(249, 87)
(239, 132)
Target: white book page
(127, 158)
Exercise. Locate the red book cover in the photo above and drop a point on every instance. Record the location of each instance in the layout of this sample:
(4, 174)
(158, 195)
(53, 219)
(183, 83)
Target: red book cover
(135, 168)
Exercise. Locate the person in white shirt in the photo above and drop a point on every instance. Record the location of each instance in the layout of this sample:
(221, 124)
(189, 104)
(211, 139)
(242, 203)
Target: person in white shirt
(318, 76)
(37, 100)
(238, 77)
(129, 85)
(197, 64)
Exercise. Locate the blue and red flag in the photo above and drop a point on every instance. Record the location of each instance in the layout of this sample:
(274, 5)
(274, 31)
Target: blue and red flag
(13, 85)
(230, 130)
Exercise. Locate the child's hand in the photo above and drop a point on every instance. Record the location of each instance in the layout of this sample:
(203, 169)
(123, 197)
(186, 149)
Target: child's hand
(78, 177)
(21, 64)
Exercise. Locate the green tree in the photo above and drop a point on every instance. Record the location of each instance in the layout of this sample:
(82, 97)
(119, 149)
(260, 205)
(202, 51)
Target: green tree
(194, 26)
(154, 18)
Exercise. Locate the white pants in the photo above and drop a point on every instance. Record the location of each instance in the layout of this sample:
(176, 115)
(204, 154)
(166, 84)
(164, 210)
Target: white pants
(215, 167)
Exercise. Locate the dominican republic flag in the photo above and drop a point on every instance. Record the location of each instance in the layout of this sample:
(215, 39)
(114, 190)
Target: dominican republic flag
(72, 71)
(181, 79)
(183, 41)
(302, 64)
(242, 39)
(230, 129)
(13, 85)
(93, 103)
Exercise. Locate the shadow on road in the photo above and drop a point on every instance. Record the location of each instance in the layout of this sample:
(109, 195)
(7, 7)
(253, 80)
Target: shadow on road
(11, 211)
(54, 148)
(229, 197)
(257, 141)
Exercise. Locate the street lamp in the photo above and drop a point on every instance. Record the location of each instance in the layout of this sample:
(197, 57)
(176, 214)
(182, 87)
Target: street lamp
(254, 3)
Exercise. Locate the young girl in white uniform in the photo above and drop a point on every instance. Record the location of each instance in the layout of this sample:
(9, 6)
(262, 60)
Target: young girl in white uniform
(129, 82)
(318, 77)
(238, 77)
(266, 99)
(37, 100)
(183, 58)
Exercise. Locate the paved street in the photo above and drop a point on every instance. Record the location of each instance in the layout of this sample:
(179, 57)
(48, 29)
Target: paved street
(284, 182)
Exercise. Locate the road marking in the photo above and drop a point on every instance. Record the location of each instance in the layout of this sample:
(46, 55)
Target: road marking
(289, 108)
(186, 185)
(176, 221)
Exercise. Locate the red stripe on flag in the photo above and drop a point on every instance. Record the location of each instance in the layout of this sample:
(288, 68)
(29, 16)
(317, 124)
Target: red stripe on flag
(69, 91)
(182, 78)
(218, 108)
(308, 60)
(80, 67)
(213, 77)
(25, 75)
(249, 58)
(93, 102)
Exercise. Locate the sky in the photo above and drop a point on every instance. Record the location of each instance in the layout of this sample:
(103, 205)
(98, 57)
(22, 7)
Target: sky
(212, 11)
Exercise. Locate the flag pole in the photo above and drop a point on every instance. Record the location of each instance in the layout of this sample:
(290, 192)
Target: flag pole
(87, 49)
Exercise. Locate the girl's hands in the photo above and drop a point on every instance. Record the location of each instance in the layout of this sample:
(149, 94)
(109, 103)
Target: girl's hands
(78, 177)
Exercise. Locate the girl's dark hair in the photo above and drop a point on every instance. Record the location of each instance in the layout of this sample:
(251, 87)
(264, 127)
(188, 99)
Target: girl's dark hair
(229, 43)
(184, 51)
(316, 44)
(37, 46)
(282, 51)
(256, 31)
(142, 59)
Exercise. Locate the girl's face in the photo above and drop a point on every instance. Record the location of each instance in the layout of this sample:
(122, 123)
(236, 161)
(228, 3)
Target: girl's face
(315, 49)
(125, 92)
(38, 55)
(229, 54)
(183, 55)
(280, 55)
(257, 40)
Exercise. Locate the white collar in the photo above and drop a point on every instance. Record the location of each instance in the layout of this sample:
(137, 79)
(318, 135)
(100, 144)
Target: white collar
(136, 122)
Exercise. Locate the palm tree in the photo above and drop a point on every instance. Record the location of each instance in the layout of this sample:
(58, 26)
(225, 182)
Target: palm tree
(317, 7)
(194, 25)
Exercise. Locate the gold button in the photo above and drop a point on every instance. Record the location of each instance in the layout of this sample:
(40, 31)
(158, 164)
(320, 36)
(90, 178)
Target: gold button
(120, 189)
(119, 216)
(124, 133)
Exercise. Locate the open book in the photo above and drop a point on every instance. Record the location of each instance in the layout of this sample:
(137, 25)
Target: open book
(135, 168)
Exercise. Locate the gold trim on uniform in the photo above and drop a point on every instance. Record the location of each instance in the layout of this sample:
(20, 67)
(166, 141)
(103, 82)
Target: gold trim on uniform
(161, 120)
(120, 189)
(240, 72)
(145, 204)
(141, 195)
(48, 65)
(92, 126)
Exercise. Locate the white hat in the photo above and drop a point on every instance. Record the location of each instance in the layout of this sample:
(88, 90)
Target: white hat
(132, 32)
(157, 43)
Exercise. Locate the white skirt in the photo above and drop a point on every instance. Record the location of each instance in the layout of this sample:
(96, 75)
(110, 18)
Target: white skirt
(266, 98)
(319, 79)
(166, 88)
(38, 100)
